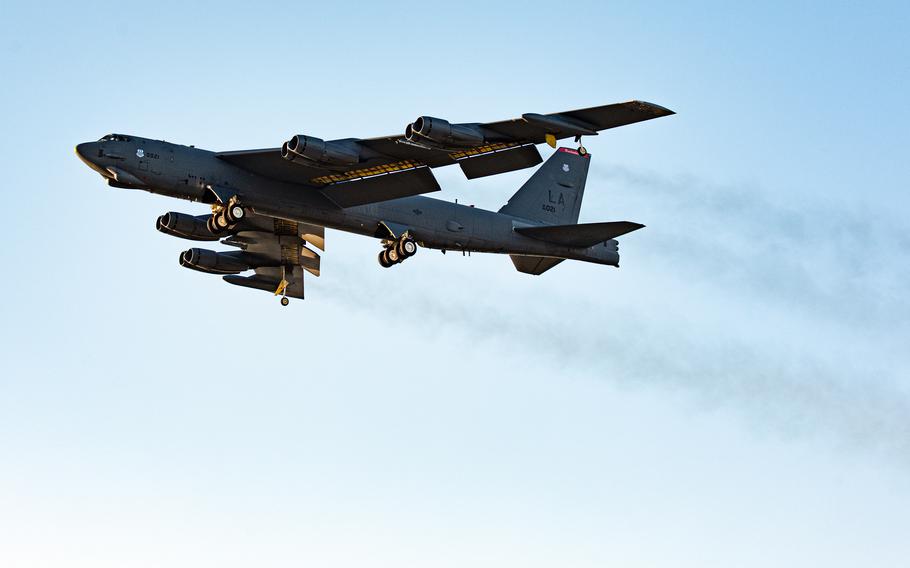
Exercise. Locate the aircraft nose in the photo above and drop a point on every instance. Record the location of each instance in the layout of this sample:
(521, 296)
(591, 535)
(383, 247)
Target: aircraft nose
(88, 152)
(82, 150)
(85, 152)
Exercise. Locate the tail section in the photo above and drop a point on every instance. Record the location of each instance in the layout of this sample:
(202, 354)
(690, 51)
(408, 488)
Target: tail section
(550, 201)
(536, 265)
(553, 194)
(585, 235)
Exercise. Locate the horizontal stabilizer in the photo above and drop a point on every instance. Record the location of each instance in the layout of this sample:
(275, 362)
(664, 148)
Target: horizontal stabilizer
(584, 235)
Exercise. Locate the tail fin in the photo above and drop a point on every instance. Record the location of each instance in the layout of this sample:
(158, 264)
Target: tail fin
(553, 194)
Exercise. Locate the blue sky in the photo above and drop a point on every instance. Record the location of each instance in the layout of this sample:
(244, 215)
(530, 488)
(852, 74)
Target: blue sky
(736, 394)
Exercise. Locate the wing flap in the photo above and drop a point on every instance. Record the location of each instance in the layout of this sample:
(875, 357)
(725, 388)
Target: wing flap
(313, 234)
(499, 161)
(383, 187)
(584, 235)
(269, 279)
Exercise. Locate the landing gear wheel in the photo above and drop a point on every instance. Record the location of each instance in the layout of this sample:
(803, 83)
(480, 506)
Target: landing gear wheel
(392, 255)
(234, 213)
(285, 301)
(581, 149)
(221, 221)
(212, 226)
(406, 248)
(384, 260)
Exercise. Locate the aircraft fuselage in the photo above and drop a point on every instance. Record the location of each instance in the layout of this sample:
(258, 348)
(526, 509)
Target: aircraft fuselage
(194, 174)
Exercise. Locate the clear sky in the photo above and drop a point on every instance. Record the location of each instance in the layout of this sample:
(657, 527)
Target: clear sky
(737, 394)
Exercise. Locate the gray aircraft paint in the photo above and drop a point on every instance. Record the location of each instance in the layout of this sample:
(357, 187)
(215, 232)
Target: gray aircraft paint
(185, 172)
(536, 227)
(553, 194)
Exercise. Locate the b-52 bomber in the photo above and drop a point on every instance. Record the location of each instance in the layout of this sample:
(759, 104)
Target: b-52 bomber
(272, 203)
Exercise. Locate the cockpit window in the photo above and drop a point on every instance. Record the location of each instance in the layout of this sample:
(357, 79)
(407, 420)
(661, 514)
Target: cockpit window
(115, 138)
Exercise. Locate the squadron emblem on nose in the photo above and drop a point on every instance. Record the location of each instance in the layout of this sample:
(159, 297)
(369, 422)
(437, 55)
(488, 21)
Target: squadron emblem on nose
(140, 152)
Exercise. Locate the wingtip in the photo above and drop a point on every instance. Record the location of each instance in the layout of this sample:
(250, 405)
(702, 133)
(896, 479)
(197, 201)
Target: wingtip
(654, 109)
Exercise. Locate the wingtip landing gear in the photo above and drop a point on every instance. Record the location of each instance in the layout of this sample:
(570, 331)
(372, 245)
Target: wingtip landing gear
(582, 151)
(283, 288)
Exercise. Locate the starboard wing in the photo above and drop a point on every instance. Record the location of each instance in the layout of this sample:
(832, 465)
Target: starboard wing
(480, 149)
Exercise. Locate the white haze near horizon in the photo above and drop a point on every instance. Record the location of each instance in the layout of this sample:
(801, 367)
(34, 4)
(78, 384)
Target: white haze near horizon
(737, 393)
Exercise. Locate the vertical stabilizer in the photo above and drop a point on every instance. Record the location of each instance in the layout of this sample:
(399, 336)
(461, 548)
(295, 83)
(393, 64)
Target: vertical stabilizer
(553, 194)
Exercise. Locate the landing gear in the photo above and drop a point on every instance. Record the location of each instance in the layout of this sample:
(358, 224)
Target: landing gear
(391, 253)
(222, 222)
(406, 247)
(210, 224)
(581, 149)
(225, 215)
(218, 223)
(397, 251)
(234, 213)
(283, 287)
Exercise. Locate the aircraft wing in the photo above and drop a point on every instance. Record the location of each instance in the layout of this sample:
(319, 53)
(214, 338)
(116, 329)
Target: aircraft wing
(585, 122)
(274, 249)
(480, 149)
(386, 155)
(373, 180)
(280, 253)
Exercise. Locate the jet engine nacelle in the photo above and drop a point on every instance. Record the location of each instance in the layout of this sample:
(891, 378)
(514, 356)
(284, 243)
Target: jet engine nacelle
(319, 151)
(185, 226)
(442, 132)
(205, 260)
